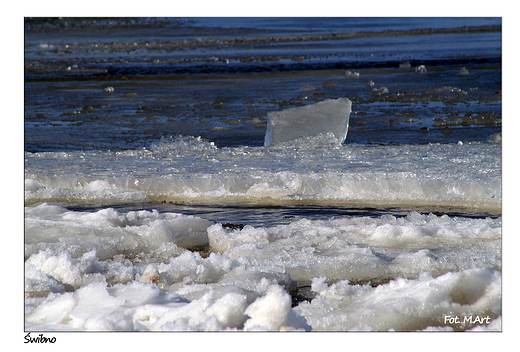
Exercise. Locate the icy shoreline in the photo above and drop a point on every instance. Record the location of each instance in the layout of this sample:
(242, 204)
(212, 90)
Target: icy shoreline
(131, 271)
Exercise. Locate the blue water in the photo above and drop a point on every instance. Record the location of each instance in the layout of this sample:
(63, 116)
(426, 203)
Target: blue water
(343, 24)
(165, 86)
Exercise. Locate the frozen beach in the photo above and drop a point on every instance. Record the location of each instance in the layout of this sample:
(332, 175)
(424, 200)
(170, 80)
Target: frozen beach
(154, 203)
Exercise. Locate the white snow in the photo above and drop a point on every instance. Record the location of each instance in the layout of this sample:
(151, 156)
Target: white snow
(423, 268)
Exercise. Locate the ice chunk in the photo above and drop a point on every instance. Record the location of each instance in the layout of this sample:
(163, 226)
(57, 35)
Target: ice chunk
(421, 69)
(37, 281)
(273, 312)
(380, 91)
(495, 138)
(93, 300)
(327, 116)
(54, 310)
(32, 186)
(351, 74)
(463, 72)
(229, 310)
(111, 322)
(404, 305)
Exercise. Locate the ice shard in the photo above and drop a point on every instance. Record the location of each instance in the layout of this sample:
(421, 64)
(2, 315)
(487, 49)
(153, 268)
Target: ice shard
(327, 116)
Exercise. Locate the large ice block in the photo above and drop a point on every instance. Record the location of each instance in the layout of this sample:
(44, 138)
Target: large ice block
(327, 116)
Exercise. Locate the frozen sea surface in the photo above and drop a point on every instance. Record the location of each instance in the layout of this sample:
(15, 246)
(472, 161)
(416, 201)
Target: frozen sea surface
(145, 270)
(151, 203)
